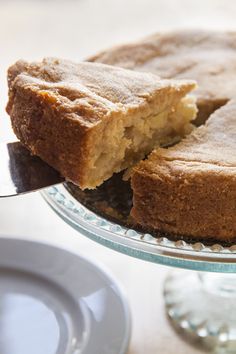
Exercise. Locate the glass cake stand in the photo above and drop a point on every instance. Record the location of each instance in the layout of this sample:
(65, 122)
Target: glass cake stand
(201, 304)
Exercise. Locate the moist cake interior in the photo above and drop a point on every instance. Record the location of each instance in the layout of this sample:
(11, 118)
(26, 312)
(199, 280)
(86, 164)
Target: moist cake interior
(124, 141)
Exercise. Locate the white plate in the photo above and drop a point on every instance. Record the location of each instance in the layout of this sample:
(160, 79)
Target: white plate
(55, 302)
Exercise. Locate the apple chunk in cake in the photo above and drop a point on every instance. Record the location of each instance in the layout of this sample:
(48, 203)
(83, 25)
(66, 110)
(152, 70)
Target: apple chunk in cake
(90, 120)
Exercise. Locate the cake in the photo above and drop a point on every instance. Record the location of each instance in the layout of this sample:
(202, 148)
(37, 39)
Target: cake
(190, 189)
(205, 56)
(89, 120)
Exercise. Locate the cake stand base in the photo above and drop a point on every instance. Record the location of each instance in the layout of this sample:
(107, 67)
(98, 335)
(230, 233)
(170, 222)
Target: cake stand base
(203, 307)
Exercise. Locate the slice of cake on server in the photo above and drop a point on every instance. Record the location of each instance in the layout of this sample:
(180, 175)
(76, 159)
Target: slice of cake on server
(89, 120)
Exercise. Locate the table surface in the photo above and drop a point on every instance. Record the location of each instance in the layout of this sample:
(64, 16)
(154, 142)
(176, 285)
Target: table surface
(75, 29)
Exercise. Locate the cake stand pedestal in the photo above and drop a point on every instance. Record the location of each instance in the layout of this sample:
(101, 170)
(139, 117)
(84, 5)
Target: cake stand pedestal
(201, 304)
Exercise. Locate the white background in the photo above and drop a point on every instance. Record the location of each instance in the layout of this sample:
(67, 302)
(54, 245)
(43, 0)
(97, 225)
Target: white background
(75, 29)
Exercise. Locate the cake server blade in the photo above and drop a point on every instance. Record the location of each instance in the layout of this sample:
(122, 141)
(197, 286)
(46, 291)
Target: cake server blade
(20, 172)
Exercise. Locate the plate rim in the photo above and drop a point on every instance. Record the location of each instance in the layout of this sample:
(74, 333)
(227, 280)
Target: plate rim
(107, 276)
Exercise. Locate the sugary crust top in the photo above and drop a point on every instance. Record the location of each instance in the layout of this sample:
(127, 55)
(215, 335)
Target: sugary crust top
(92, 90)
(205, 56)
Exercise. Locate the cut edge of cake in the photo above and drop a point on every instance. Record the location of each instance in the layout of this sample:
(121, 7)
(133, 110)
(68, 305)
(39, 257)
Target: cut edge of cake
(178, 192)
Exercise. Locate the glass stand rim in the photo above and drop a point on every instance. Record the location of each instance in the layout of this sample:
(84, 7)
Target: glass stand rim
(179, 254)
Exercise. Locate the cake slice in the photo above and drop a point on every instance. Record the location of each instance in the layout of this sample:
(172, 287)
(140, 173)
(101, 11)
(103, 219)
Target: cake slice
(190, 188)
(206, 56)
(90, 120)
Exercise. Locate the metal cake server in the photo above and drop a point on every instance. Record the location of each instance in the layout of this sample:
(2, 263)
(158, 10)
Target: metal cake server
(20, 172)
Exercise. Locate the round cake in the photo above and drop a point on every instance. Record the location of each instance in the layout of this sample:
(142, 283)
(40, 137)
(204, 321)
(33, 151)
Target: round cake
(189, 189)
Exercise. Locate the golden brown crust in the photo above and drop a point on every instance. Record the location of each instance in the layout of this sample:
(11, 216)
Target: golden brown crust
(190, 189)
(96, 89)
(56, 107)
(46, 132)
(205, 56)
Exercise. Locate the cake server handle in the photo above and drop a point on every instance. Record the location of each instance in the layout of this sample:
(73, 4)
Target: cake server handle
(20, 172)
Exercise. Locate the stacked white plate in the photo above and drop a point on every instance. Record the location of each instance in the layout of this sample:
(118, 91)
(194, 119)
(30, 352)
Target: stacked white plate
(55, 302)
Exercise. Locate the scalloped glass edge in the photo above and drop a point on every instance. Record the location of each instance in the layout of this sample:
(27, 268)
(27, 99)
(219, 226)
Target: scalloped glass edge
(196, 256)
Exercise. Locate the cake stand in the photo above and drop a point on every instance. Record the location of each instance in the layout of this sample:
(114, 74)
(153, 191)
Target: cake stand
(201, 304)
